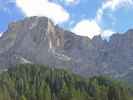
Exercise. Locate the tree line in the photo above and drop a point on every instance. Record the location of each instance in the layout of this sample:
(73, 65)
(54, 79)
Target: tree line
(39, 82)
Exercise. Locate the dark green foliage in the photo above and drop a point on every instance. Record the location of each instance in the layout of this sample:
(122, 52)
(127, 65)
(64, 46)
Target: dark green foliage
(38, 82)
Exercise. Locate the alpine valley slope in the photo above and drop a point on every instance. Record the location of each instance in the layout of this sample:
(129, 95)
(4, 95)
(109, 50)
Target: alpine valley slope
(37, 40)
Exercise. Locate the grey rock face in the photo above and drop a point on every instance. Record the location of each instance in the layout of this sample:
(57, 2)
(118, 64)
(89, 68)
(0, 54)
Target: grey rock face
(38, 40)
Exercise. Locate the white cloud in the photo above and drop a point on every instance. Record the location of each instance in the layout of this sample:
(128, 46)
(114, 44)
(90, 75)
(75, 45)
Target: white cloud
(1, 33)
(87, 28)
(91, 28)
(112, 5)
(43, 8)
(71, 1)
(107, 33)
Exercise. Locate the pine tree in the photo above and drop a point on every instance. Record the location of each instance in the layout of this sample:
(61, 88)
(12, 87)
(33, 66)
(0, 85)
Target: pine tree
(23, 98)
(47, 93)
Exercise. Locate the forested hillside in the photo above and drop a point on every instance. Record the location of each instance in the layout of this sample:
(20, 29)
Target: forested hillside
(38, 82)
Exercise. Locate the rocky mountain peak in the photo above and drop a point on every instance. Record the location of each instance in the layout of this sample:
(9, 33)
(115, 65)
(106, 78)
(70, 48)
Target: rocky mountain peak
(35, 30)
(37, 40)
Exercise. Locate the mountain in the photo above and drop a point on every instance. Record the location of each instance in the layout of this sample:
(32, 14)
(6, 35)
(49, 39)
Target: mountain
(37, 40)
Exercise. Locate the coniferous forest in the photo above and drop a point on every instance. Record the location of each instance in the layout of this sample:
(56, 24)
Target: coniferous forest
(38, 82)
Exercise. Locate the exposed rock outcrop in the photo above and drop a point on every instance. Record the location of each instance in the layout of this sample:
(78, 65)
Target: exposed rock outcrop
(38, 40)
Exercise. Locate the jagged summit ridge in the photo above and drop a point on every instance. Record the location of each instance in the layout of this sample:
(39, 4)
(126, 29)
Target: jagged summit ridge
(37, 40)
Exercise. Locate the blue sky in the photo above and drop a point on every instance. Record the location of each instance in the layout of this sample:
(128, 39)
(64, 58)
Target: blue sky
(84, 17)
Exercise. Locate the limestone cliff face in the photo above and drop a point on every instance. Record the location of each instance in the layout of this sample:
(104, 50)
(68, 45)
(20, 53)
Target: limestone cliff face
(38, 40)
(55, 36)
(35, 30)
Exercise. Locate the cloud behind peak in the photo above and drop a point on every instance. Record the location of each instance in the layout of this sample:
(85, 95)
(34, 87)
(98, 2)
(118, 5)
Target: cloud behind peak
(43, 8)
